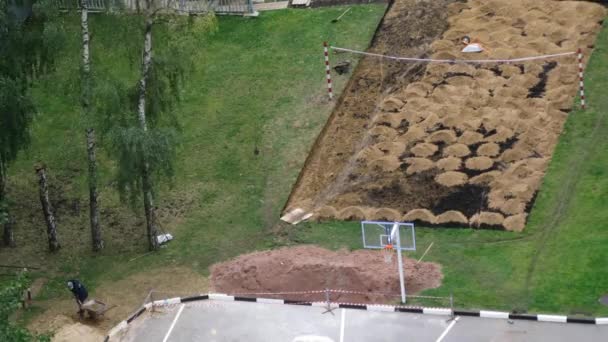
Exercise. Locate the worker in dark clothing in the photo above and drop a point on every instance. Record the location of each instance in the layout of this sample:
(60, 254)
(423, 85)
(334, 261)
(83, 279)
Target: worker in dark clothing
(80, 293)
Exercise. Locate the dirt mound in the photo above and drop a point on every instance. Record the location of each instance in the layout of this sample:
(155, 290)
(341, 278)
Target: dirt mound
(452, 216)
(352, 213)
(311, 268)
(489, 150)
(487, 219)
(420, 215)
(449, 163)
(515, 223)
(457, 150)
(451, 178)
(479, 163)
(386, 214)
(424, 150)
(441, 131)
(417, 165)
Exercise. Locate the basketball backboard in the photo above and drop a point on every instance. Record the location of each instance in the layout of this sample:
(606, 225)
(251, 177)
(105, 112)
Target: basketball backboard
(379, 234)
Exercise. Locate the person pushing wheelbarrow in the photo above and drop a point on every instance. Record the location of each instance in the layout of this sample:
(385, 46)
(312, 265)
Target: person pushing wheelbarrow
(93, 307)
(80, 294)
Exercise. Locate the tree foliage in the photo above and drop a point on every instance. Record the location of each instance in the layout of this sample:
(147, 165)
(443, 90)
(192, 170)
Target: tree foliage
(175, 37)
(29, 41)
(28, 47)
(11, 294)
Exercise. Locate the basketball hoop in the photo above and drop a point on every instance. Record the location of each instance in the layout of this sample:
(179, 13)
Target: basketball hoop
(388, 253)
(390, 237)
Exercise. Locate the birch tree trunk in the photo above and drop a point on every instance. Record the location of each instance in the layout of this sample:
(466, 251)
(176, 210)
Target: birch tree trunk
(93, 207)
(149, 208)
(7, 236)
(90, 132)
(51, 227)
(2, 181)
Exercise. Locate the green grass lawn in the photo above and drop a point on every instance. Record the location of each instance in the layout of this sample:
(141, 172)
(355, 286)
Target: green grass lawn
(260, 84)
(560, 262)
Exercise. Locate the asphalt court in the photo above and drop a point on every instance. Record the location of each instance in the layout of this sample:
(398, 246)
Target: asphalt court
(221, 321)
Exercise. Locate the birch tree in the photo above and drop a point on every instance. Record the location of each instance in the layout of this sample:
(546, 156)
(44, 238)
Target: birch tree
(96, 239)
(146, 146)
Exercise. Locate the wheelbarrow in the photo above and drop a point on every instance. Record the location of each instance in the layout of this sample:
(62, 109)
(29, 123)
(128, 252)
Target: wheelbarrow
(94, 309)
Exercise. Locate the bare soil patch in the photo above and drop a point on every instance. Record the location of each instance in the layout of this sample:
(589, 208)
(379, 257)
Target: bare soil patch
(310, 268)
(407, 137)
(127, 295)
(77, 332)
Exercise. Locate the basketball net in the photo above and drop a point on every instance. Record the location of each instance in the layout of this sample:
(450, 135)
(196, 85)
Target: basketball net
(387, 251)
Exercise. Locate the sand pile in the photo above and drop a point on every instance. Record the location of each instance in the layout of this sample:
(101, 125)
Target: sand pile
(480, 135)
(310, 268)
(77, 332)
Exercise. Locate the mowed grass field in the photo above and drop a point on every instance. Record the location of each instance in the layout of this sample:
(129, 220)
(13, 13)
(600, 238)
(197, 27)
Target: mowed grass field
(259, 86)
(560, 262)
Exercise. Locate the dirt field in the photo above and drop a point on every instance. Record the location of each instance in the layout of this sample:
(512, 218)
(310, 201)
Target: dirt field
(310, 268)
(450, 144)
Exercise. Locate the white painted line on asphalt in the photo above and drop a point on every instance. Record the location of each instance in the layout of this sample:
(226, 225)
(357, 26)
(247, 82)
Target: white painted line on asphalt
(342, 325)
(447, 330)
(552, 318)
(493, 314)
(181, 308)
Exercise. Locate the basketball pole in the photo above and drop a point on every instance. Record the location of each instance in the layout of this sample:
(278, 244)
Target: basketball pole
(400, 264)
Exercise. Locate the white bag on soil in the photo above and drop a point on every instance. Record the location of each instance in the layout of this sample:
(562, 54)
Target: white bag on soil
(164, 238)
(473, 48)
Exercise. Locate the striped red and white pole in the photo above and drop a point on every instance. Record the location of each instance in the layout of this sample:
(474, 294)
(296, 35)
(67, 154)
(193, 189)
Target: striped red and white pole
(580, 78)
(327, 71)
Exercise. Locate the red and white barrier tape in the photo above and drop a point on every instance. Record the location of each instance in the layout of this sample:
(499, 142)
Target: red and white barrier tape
(463, 61)
(332, 291)
(277, 293)
(328, 71)
(383, 294)
(580, 77)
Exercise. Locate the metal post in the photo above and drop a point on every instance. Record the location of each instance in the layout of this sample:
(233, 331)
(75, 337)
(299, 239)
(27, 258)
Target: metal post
(328, 301)
(452, 304)
(400, 263)
(328, 71)
(580, 77)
